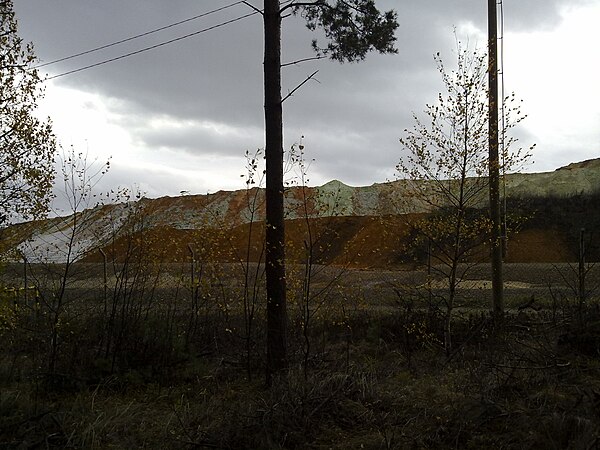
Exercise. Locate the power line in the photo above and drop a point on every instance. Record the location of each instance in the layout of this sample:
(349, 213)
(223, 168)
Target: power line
(137, 36)
(152, 47)
(145, 49)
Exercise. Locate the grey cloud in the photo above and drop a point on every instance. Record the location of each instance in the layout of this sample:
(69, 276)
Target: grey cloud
(201, 138)
(354, 116)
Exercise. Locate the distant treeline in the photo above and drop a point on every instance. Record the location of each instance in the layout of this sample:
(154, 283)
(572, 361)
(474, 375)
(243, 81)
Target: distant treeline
(567, 215)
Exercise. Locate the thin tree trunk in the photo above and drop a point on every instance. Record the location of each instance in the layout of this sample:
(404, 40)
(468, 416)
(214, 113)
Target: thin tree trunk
(275, 244)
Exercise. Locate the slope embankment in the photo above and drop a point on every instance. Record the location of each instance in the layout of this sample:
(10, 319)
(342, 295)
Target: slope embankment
(333, 224)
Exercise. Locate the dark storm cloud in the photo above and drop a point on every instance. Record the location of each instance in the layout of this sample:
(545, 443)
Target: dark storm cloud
(354, 114)
(213, 75)
(199, 138)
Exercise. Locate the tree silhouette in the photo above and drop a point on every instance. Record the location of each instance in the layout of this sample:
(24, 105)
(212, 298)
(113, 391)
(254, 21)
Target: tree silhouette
(352, 28)
(27, 145)
(447, 164)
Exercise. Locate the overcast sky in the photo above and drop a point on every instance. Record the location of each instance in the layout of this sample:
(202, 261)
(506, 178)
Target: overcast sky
(180, 117)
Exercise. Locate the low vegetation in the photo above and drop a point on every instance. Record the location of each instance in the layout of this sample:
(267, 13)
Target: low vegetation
(375, 377)
(141, 345)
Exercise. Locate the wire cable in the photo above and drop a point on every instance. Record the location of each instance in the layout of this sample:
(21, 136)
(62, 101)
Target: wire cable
(152, 47)
(137, 36)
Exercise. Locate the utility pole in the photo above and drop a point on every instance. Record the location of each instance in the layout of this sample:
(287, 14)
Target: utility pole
(494, 163)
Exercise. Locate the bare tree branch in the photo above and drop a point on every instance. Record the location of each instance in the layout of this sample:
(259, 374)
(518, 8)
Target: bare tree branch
(299, 86)
(253, 7)
(298, 61)
(297, 4)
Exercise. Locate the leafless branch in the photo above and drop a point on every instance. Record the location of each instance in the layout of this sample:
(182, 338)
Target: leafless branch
(306, 80)
(253, 7)
(299, 61)
(297, 4)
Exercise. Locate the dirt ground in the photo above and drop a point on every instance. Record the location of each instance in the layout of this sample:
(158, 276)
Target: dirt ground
(358, 242)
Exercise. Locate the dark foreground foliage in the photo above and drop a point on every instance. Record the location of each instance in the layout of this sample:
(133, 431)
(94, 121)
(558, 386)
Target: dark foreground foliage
(375, 380)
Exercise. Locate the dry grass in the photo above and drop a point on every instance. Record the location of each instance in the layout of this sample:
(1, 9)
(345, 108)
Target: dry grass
(528, 387)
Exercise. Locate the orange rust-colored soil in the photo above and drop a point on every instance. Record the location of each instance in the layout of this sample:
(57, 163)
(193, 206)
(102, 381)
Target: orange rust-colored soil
(535, 245)
(360, 242)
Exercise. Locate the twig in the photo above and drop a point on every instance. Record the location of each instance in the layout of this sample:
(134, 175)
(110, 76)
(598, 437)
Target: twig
(195, 444)
(254, 8)
(548, 366)
(299, 86)
(478, 327)
(298, 61)
(299, 4)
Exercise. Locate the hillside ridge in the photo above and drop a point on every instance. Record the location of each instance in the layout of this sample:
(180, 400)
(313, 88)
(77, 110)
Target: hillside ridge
(230, 209)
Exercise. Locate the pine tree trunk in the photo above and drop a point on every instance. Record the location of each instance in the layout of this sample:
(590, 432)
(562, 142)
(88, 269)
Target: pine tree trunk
(275, 244)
